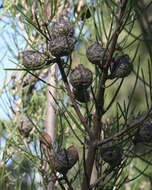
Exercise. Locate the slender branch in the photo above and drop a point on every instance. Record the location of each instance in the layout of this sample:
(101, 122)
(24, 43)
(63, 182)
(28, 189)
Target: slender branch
(77, 110)
(134, 124)
(100, 96)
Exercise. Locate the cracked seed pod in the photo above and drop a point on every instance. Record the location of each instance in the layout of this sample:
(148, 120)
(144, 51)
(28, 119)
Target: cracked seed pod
(111, 153)
(122, 67)
(81, 95)
(33, 59)
(62, 28)
(96, 54)
(64, 160)
(61, 46)
(81, 77)
(144, 134)
(25, 127)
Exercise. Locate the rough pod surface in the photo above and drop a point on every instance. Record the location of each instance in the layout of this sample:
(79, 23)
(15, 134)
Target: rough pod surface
(61, 46)
(81, 77)
(111, 153)
(32, 59)
(144, 134)
(96, 54)
(25, 126)
(122, 67)
(62, 28)
(81, 95)
(65, 159)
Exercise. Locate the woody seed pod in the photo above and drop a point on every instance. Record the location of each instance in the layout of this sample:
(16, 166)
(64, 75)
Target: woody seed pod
(25, 126)
(144, 133)
(96, 54)
(65, 159)
(62, 28)
(81, 95)
(111, 153)
(33, 59)
(81, 77)
(122, 67)
(61, 46)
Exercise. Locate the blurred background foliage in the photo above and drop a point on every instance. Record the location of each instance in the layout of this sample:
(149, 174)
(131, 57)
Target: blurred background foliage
(30, 21)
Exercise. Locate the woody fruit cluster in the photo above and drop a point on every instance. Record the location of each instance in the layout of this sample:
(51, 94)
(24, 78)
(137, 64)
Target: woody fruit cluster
(62, 42)
(81, 78)
(64, 160)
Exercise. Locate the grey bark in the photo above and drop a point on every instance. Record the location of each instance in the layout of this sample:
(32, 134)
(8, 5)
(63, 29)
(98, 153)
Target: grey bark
(50, 123)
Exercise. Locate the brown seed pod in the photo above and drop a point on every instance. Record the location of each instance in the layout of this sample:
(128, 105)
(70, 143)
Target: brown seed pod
(25, 127)
(111, 153)
(121, 67)
(81, 95)
(96, 54)
(81, 77)
(62, 28)
(33, 59)
(61, 46)
(65, 159)
(144, 133)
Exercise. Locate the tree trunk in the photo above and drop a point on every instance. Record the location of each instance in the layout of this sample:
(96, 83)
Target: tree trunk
(51, 108)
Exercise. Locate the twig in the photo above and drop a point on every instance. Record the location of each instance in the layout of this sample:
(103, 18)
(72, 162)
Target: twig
(135, 123)
(100, 95)
(77, 110)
